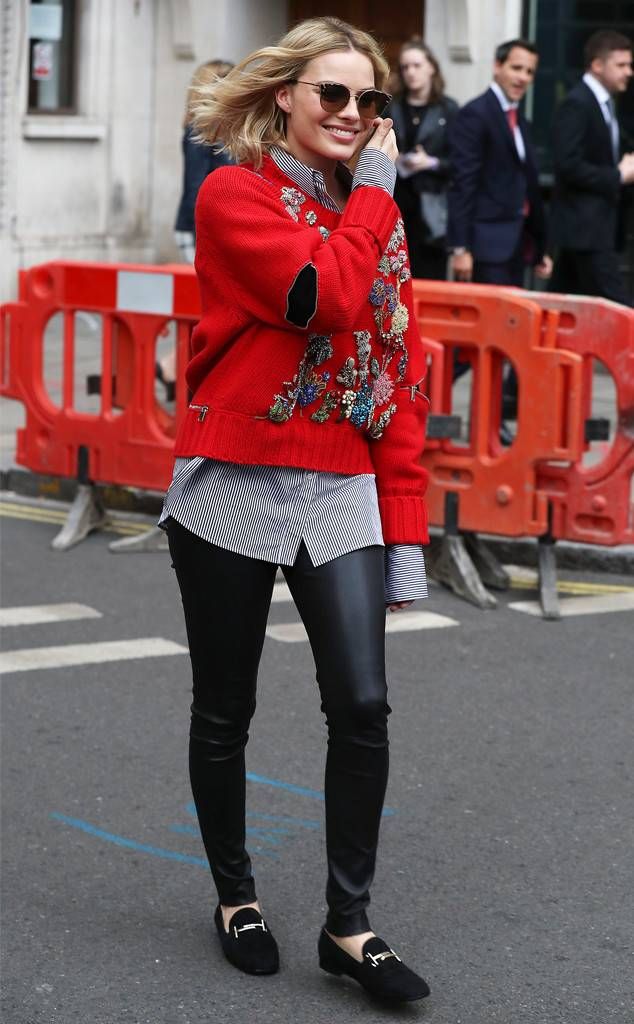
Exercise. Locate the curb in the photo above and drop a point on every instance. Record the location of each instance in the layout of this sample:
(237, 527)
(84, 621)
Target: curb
(618, 560)
(520, 551)
(56, 488)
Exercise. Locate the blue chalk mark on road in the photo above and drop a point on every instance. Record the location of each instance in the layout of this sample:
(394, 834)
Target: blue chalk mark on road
(313, 794)
(263, 834)
(186, 830)
(269, 834)
(130, 844)
(192, 830)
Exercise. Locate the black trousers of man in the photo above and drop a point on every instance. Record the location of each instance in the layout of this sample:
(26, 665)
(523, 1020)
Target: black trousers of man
(591, 272)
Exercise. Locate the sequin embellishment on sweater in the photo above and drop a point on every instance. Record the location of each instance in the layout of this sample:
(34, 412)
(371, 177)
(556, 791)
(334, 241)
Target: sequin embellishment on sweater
(293, 200)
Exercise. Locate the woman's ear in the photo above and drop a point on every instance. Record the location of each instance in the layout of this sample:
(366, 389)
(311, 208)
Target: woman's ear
(283, 98)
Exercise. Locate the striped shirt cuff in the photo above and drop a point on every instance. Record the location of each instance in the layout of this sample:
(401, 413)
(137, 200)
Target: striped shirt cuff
(405, 577)
(375, 168)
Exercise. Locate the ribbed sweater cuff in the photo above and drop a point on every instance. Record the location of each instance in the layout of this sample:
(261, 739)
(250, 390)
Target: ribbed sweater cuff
(404, 520)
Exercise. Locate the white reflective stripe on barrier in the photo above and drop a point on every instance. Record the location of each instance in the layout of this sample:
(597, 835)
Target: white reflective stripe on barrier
(138, 292)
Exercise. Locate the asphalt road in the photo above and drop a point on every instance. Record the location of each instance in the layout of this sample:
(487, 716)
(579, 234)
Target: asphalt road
(505, 867)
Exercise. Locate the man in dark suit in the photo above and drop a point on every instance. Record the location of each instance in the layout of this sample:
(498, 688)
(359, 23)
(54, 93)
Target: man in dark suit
(591, 173)
(496, 220)
(496, 225)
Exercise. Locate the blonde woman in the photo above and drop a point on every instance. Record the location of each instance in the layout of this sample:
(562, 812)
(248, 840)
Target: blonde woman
(301, 448)
(198, 160)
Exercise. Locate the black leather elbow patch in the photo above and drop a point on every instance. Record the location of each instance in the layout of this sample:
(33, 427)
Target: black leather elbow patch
(301, 301)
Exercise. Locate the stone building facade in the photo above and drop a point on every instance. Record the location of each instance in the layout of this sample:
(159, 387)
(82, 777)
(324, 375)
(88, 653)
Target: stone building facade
(92, 105)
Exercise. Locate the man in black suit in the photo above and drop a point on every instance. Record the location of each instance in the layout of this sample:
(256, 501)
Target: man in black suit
(496, 225)
(591, 174)
(496, 219)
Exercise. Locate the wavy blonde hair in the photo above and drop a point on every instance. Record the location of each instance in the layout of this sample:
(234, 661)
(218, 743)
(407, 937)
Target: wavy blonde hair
(241, 109)
(205, 74)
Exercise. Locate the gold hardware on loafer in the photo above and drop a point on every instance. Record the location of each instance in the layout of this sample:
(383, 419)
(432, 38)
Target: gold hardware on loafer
(376, 958)
(249, 927)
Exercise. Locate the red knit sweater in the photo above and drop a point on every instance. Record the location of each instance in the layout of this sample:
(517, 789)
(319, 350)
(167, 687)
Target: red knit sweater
(342, 395)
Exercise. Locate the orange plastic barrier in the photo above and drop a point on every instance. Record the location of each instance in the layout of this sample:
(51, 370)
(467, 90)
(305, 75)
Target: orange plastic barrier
(593, 503)
(129, 441)
(536, 484)
(497, 487)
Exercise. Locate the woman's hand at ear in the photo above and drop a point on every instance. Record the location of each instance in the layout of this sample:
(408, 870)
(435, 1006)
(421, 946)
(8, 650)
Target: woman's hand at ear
(383, 138)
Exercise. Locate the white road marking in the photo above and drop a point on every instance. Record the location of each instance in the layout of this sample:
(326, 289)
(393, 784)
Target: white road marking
(30, 615)
(398, 622)
(87, 654)
(281, 593)
(571, 606)
(405, 622)
(288, 633)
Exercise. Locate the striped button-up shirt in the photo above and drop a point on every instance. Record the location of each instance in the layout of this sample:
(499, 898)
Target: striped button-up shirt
(266, 512)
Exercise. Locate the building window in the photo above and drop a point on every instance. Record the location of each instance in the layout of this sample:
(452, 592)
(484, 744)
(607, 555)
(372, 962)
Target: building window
(52, 32)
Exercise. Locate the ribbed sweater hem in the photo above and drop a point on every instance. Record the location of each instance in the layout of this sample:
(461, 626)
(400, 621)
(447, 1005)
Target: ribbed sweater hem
(239, 438)
(404, 520)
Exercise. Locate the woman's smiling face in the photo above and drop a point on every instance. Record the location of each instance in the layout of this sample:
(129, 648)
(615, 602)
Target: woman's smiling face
(313, 135)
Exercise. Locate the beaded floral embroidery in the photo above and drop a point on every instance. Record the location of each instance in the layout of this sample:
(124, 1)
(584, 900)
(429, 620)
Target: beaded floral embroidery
(292, 199)
(367, 383)
(307, 385)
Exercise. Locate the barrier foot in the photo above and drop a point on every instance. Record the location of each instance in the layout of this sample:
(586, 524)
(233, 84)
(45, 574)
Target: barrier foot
(454, 568)
(489, 568)
(153, 539)
(453, 565)
(85, 515)
(547, 568)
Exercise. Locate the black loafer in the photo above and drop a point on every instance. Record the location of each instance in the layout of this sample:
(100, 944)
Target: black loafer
(248, 944)
(382, 973)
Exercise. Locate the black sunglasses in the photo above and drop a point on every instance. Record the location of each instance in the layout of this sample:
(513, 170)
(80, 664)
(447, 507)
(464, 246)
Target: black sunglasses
(334, 97)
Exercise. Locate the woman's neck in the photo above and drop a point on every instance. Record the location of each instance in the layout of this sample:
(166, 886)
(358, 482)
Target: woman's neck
(418, 97)
(327, 167)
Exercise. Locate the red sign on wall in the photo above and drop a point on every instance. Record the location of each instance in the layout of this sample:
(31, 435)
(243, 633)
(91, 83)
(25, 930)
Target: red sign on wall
(42, 61)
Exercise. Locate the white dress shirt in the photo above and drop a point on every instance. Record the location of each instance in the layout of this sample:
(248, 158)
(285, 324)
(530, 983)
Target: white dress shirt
(605, 101)
(507, 104)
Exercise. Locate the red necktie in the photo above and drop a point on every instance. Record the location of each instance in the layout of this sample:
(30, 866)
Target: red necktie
(511, 117)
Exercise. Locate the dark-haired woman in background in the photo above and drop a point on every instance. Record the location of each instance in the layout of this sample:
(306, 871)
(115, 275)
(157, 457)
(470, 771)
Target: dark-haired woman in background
(421, 115)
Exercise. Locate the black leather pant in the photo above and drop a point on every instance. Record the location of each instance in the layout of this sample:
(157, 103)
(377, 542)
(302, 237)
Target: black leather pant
(226, 599)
